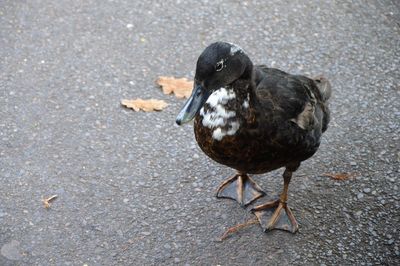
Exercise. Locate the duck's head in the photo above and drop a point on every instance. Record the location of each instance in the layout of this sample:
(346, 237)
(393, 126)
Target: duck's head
(218, 66)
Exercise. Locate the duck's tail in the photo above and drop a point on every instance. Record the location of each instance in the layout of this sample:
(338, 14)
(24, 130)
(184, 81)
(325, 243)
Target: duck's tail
(324, 87)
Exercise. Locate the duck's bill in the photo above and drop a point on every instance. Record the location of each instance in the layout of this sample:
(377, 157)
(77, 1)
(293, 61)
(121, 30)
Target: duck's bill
(193, 104)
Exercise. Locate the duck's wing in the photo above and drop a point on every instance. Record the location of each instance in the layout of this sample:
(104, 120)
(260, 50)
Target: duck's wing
(291, 98)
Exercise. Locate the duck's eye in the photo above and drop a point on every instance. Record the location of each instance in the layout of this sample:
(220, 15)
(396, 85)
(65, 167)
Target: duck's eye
(219, 66)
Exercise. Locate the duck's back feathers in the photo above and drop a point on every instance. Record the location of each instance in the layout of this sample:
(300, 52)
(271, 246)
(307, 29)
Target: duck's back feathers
(294, 97)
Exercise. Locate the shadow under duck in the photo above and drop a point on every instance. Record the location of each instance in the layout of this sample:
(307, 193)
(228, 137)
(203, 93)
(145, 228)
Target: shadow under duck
(255, 119)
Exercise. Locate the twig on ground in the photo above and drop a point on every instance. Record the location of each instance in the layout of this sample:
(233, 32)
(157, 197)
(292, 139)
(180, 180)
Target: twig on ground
(46, 201)
(130, 242)
(237, 227)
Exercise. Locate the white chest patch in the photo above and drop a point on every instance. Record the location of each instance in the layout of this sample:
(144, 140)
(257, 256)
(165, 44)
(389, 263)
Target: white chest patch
(217, 117)
(221, 96)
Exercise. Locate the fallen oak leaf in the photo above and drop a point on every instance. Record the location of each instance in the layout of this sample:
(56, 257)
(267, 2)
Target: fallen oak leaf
(145, 105)
(46, 202)
(340, 176)
(181, 87)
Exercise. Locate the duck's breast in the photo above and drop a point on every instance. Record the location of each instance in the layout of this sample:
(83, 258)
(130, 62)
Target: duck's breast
(224, 131)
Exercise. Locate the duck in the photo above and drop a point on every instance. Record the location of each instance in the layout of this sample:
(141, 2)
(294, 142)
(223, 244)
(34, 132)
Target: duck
(255, 119)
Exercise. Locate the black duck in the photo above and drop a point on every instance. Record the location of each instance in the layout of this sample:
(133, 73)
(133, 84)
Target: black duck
(255, 119)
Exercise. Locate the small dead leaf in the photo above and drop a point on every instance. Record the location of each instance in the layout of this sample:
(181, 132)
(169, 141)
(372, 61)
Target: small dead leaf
(181, 87)
(237, 227)
(46, 202)
(340, 176)
(145, 105)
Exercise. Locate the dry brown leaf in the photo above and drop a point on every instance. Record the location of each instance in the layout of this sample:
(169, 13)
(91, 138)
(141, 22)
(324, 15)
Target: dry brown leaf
(340, 176)
(46, 202)
(145, 105)
(181, 87)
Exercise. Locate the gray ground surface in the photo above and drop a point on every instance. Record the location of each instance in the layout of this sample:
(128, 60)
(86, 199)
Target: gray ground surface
(133, 188)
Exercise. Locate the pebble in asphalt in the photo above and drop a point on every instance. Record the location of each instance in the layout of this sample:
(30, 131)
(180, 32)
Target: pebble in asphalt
(133, 188)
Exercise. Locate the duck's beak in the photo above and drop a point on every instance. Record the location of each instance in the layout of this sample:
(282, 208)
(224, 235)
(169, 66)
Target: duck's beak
(193, 104)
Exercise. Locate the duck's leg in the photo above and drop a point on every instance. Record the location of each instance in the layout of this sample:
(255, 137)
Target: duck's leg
(241, 188)
(277, 214)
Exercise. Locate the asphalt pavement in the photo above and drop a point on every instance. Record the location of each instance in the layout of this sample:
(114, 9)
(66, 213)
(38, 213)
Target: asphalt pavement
(134, 188)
